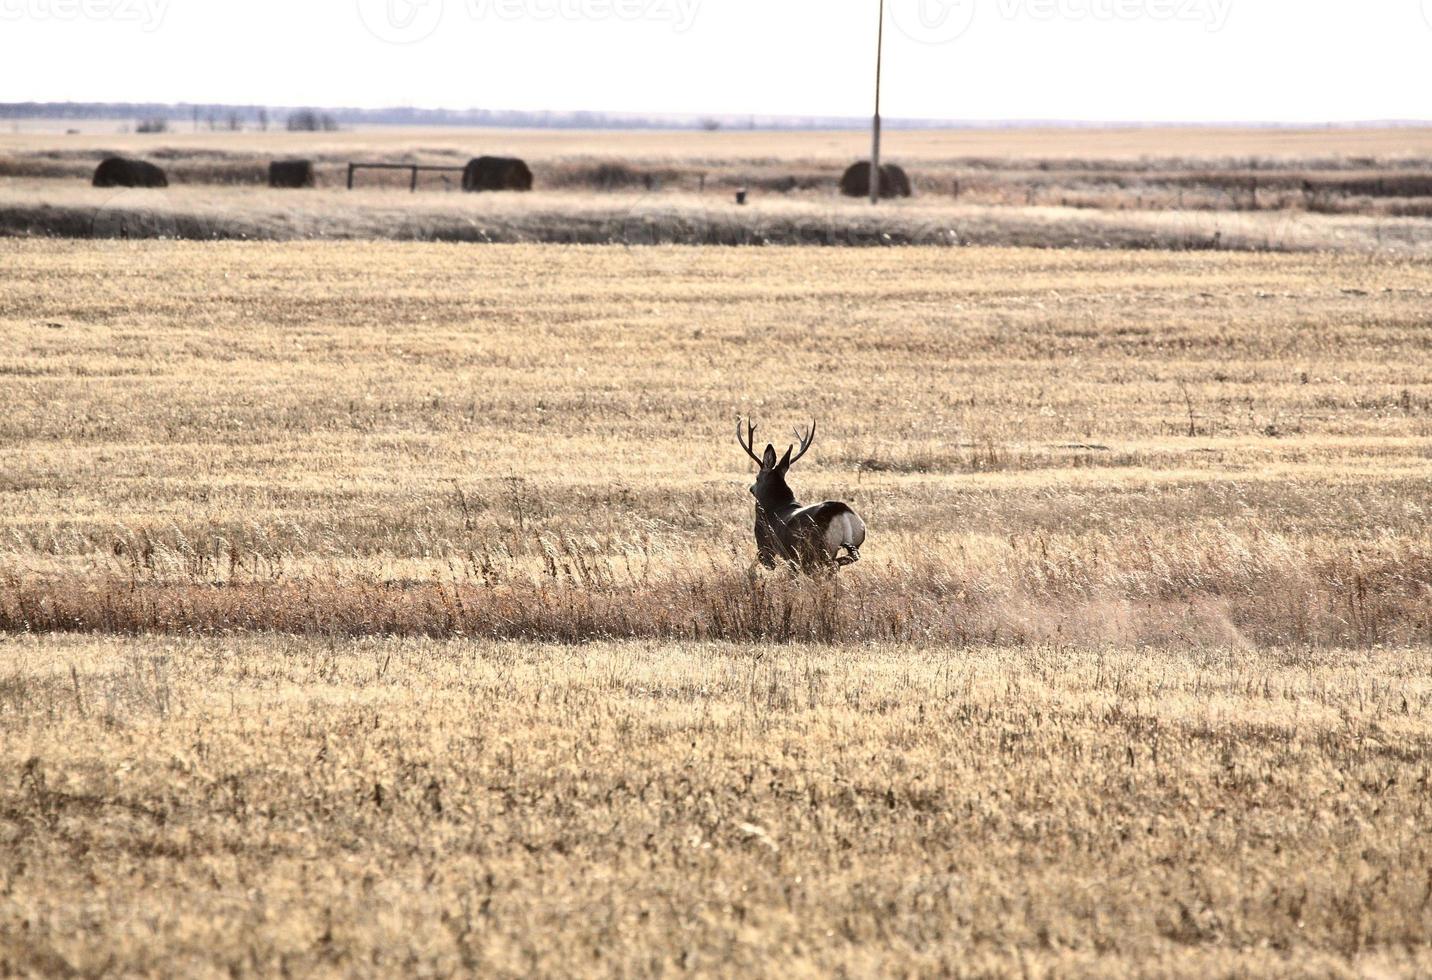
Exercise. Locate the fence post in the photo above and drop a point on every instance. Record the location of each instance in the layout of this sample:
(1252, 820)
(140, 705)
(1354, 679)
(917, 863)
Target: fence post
(414, 185)
(350, 176)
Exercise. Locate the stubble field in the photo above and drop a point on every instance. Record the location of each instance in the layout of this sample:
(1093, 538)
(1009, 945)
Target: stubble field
(1325, 189)
(379, 606)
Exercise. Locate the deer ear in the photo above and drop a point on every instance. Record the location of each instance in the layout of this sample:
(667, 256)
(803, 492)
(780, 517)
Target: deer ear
(786, 459)
(768, 460)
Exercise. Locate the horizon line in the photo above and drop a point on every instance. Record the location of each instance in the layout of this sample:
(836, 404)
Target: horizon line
(476, 117)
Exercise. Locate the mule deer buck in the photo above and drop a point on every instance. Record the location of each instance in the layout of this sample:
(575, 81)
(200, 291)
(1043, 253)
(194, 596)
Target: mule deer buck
(810, 538)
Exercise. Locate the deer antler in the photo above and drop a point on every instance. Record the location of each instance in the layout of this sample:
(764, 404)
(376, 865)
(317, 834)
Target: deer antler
(806, 440)
(749, 443)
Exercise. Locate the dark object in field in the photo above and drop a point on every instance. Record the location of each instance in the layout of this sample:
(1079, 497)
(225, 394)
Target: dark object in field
(291, 173)
(123, 172)
(741, 196)
(810, 539)
(855, 182)
(496, 174)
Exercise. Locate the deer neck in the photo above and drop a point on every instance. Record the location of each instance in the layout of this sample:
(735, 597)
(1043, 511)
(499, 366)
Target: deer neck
(776, 503)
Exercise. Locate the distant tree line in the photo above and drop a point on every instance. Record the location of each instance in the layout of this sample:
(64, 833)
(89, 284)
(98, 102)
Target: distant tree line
(201, 116)
(311, 121)
(256, 116)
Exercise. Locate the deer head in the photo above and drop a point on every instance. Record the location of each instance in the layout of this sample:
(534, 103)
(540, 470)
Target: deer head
(770, 489)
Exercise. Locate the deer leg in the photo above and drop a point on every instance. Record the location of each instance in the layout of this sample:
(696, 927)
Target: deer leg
(851, 556)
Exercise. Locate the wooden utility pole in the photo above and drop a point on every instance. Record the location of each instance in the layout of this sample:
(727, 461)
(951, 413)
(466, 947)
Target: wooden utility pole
(875, 127)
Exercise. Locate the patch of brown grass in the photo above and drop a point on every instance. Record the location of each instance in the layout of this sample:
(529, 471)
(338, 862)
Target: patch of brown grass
(1198, 590)
(261, 804)
(535, 443)
(1132, 680)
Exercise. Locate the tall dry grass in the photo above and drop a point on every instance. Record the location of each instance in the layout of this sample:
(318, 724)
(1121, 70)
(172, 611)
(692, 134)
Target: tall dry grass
(267, 804)
(635, 218)
(1198, 589)
(535, 443)
(1133, 679)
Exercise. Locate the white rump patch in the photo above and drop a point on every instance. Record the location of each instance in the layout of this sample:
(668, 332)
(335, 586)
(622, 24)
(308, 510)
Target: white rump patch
(845, 530)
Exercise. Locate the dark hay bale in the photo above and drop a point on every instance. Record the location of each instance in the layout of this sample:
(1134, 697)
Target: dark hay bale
(894, 181)
(291, 173)
(855, 182)
(496, 174)
(123, 172)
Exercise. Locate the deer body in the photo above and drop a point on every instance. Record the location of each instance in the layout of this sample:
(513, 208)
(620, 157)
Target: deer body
(809, 538)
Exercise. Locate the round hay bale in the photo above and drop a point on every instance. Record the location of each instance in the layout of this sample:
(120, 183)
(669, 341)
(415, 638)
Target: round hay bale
(291, 173)
(855, 182)
(123, 172)
(894, 182)
(496, 174)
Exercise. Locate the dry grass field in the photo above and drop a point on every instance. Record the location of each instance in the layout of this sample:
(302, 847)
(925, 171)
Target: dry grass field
(264, 805)
(1188, 188)
(633, 217)
(373, 607)
(1222, 439)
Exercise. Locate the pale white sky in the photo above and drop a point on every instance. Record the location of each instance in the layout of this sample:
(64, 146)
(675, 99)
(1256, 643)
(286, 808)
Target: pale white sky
(1131, 60)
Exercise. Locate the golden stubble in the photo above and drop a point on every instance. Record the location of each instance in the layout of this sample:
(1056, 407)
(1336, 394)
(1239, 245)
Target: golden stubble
(253, 804)
(1131, 681)
(536, 441)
